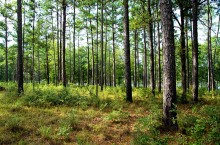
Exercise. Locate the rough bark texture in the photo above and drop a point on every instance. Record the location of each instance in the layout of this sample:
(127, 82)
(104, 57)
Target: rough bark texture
(195, 82)
(150, 33)
(169, 70)
(93, 54)
(20, 55)
(64, 45)
(127, 53)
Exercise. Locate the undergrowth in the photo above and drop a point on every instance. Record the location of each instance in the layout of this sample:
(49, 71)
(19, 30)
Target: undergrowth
(56, 115)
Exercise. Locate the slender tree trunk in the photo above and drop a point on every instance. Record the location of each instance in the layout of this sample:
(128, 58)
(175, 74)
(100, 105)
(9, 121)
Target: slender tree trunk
(64, 45)
(106, 45)
(195, 83)
(74, 41)
(102, 60)
(127, 53)
(33, 44)
(58, 47)
(6, 46)
(183, 52)
(79, 63)
(159, 57)
(93, 54)
(113, 47)
(61, 48)
(169, 70)
(20, 54)
(97, 49)
(145, 59)
(54, 50)
(150, 33)
(47, 62)
(210, 63)
(23, 43)
(109, 66)
(88, 64)
(187, 56)
(135, 58)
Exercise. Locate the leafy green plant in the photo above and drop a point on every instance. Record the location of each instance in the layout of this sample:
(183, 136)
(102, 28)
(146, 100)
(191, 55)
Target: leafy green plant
(46, 132)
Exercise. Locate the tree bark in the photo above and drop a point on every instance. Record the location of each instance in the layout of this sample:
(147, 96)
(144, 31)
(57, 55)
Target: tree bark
(113, 47)
(6, 45)
(20, 54)
(183, 52)
(127, 53)
(135, 58)
(102, 60)
(169, 70)
(145, 59)
(58, 46)
(47, 62)
(150, 33)
(195, 83)
(64, 45)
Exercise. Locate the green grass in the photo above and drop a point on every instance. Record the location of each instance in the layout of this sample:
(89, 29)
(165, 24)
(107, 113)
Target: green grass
(74, 115)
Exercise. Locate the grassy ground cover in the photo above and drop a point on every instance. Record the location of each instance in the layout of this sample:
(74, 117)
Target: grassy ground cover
(74, 115)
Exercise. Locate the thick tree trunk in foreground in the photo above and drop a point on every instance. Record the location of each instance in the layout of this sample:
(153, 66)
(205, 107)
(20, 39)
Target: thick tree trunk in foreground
(20, 54)
(127, 53)
(169, 70)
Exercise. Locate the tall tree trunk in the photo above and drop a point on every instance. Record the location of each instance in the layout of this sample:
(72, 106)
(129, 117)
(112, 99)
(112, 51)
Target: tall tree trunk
(187, 55)
(195, 83)
(211, 81)
(74, 41)
(183, 52)
(145, 59)
(23, 43)
(113, 46)
(106, 45)
(47, 62)
(159, 57)
(19, 55)
(150, 33)
(33, 43)
(58, 46)
(97, 49)
(64, 45)
(93, 54)
(38, 63)
(54, 50)
(88, 64)
(6, 46)
(109, 66)
(169, 70)
(61, 48)
(102, 60)
(138, 67)
(135, 58)
(127, 53)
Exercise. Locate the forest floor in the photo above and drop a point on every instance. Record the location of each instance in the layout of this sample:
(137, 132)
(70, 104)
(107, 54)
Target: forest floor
(55, 115)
